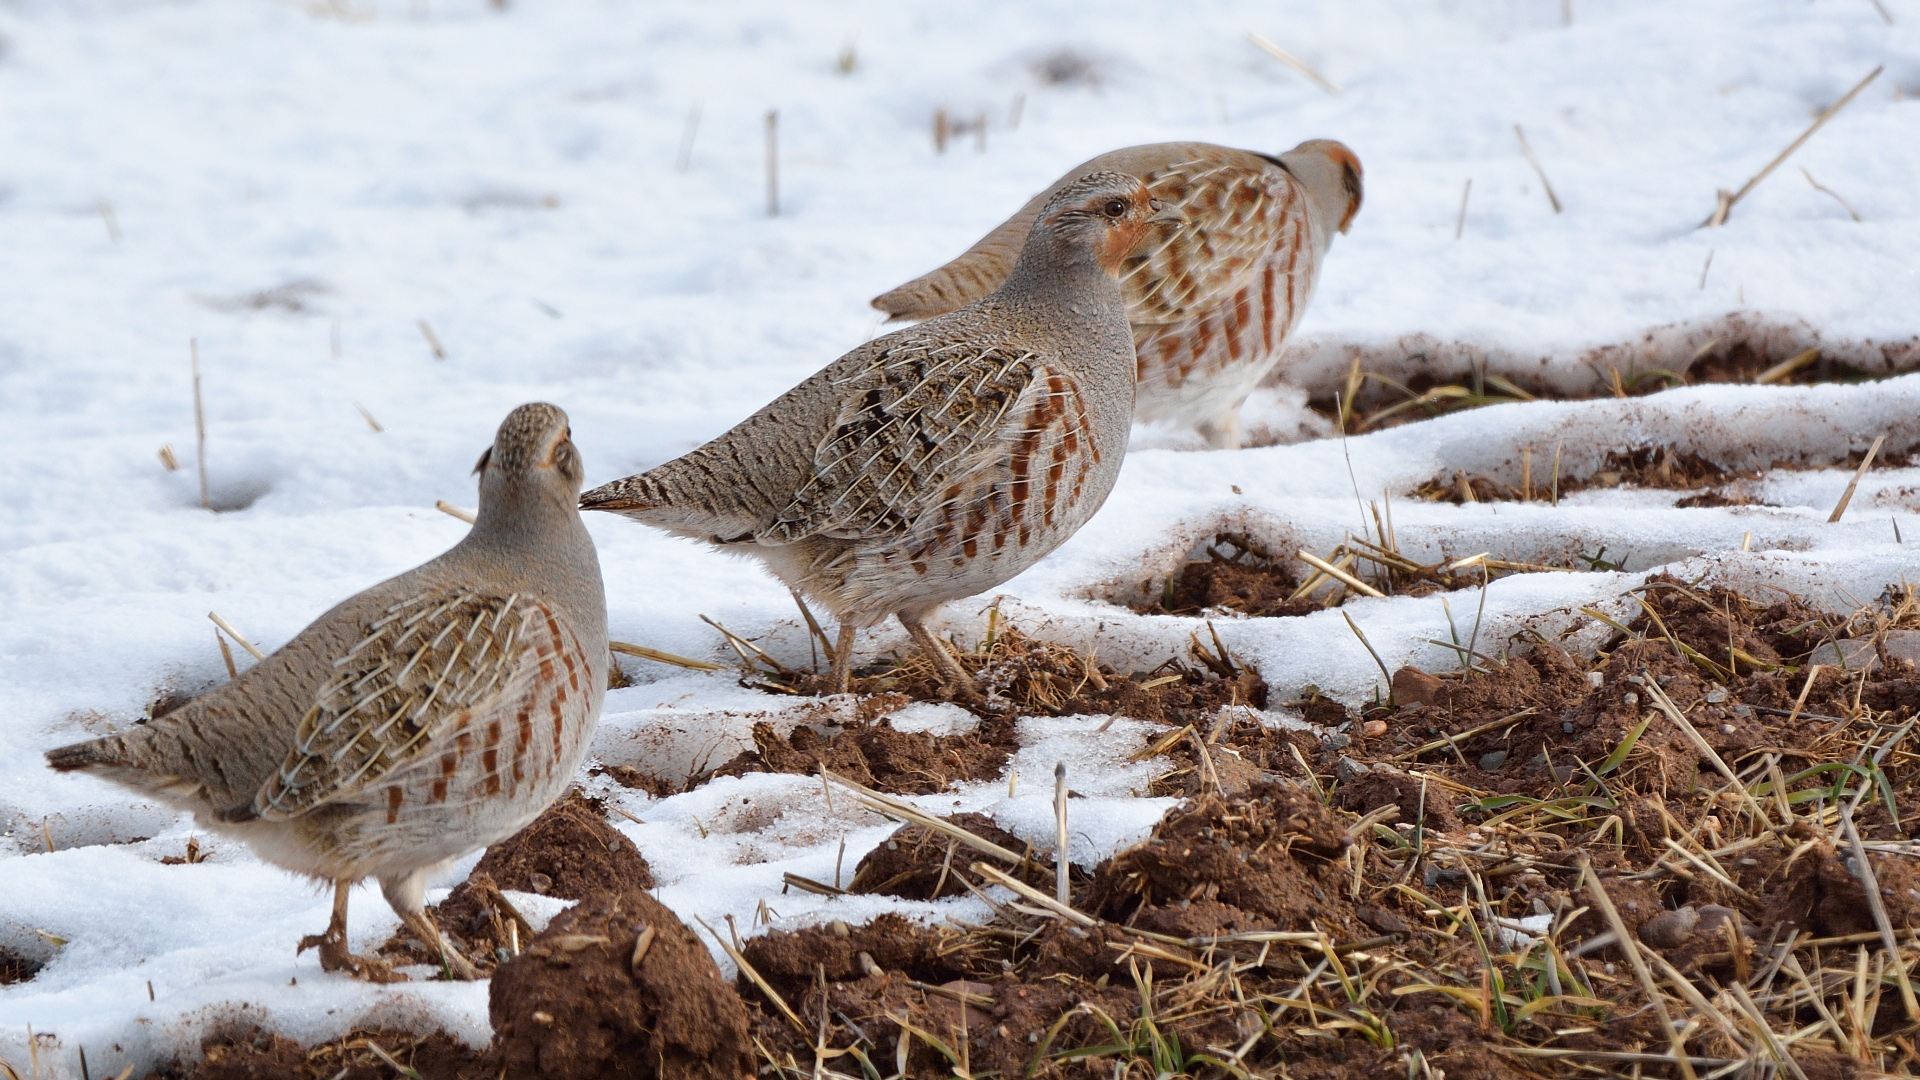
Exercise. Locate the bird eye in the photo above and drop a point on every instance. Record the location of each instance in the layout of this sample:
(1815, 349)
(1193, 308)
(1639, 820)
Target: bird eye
(1115, 208)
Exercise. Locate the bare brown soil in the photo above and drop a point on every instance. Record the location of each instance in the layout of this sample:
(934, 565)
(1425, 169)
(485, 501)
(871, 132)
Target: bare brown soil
(616, 986)
(917, 863)
(1343, 902)
(354, 1056)
(569, 852)
(1236, 575)
(15, 968)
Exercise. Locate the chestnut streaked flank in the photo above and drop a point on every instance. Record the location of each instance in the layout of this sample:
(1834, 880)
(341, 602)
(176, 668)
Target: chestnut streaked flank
(1210, 304)
(426, 717)
(941, 460)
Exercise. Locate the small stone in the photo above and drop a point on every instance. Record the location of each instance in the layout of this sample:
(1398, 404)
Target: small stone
(1347, 769)
(1373, 729)
(543, 1018)
(1670, 928)
(864, 960)
(1728, 729)
(1566, 726)
(1716, 695)
(1902, 647)
(1853, 654)
(1636, 680)
(1493, 760)
(1336, 741)
(539, 883)
(1744, 712)
(1411, 686)
(1596, 679)
(839, 929)
(1631, 699)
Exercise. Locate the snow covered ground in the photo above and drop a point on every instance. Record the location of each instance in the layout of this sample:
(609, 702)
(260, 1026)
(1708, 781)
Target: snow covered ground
(300, 187)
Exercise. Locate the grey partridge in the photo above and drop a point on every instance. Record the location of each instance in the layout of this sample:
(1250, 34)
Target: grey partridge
(939, 461)
(429, 716)
(1211, 303)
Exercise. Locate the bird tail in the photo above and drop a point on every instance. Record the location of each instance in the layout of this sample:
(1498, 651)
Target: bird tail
(107, 753)
(129, 759)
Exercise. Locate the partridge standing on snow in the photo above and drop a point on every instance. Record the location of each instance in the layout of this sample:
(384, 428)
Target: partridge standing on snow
(1211, 303)
(429, 716)
(941, 460)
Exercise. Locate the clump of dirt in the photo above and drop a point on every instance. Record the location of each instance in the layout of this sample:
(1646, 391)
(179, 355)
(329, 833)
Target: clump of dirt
(616, 986)
(1216, 865)
(568, 852)
(358, 1055)
(917, 863)
(1236, 575)
(896, 762)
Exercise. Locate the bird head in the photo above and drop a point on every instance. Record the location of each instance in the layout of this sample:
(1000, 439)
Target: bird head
(1111, 211)
(1331, 175)
(533, 446)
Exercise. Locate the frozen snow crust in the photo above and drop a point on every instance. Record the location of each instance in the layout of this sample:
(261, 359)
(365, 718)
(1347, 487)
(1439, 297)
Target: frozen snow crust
(300, 185)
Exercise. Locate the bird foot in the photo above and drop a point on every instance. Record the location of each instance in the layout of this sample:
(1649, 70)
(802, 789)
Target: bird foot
(335, 957)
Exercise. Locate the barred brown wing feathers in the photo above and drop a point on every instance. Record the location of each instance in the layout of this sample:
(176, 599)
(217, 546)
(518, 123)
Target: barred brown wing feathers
(913, 424)
(1237, 218)
(424, 664)
(1023, 481)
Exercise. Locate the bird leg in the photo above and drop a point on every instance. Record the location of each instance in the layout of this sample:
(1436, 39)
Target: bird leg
(333, 944)
(407, 895)
(1223, 431)
(958, 682)
(458, 966)
(843, 659)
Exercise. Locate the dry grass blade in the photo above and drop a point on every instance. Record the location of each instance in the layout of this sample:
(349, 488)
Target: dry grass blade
(645, 653)
(1871, 885)
(1846, 496)
(1537, 170)
(1727, 199)
(1338, 574)
(1033, 895)
(1686, 727)
(757, 979)
(1759, 1021)
(451, 510)
(1640, 971)
(199, 426)
(235, 635)
(1818, 186)
(1780, 371)
(894, 808)
(1260, 42)
(433, 340)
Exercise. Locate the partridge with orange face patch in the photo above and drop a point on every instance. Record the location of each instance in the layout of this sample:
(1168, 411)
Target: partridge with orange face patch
(939, 461)
(1210, 304)
(426, 717)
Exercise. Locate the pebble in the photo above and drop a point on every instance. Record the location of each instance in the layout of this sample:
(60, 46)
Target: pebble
(1566, 726)
(1492, 761)
(1596, 679)
(1373, 729)
(1854, 654)
(1728, 729)
(1716, 695)
(1631, 698)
